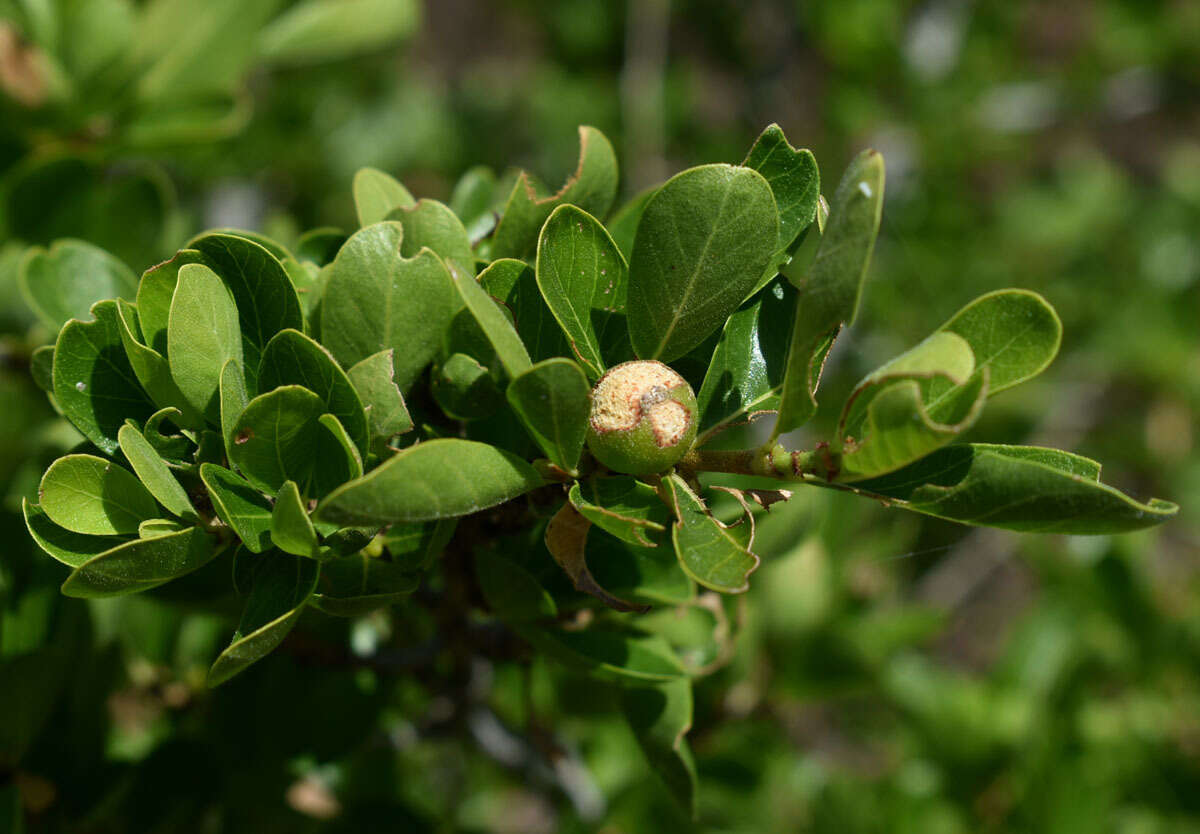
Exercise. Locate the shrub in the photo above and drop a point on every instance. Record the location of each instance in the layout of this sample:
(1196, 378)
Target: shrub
(334, 416)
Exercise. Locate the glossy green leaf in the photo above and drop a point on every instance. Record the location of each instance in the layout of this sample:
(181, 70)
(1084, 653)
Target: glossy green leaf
(266, 300)
(203, 334)
(358, 584)
(829, 295)
(291, 529)
(639, 574)
(745, 376)
(72, 549)
(63, 283)
(432, 224)
(496, 327)
(566, 540)
(152, 369)
(154, 295)
(583, 278)
(436, 479)
(94, 496)
(322, 30)
(794, 180)
(233, 398)
(374, 378)
(714, 555)
(415, 547)
(277, 249)
(154, 473)
(1022, 488)
(275, 439)
(141, 564)
(623, 507)
(291, 358)
(377, 300)
(245, 510)
(512, 592)
(320, 246)
(553, 399)
(608, 653)
(514, 284)
(94, 385)
(473, 194)
(1013, 334)
(660, 718)
(592, 188)
(376, 195)
(337, 460)
(280, 586)
(704, 240)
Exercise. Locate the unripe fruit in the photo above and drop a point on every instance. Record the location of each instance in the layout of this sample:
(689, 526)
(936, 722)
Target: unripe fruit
(643, 418)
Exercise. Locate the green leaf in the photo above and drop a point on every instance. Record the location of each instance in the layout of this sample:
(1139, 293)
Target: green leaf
(277, 249)
(275, 439)
(592, 187)
(376, 195)
(320, 246)
(473, 194)
(203, 334)
(141, 564)
(1023, 488)
(155, 293)
(94, 496)
(432, 224)
(378, 300)
(514, 284)
(623, 223)
(337, 460)
(465, 389)
(566, 539)
(1014, 335)
(244, 509)
(154, 473)
(152, 369)
(660, 718)
(639, 574)
(173, 447)
(623, 507)
(153, 528)
(703, 242)
(415, 547)
(41, 367)
(234, 398)
(94, 385)
(512, 592)
(266, 299)
(829, 296)
(745, 376)
(358, 584)
(280, 586)
(322, 30)
(583, 278)
(291, 529)
(496, 327)
(291, 358)
(63, 283)
(374, 378)
(709, 552)
(553, 399)
(794, 180)
(72, 549)
(608, 653)
(436, 479)
(887, 423)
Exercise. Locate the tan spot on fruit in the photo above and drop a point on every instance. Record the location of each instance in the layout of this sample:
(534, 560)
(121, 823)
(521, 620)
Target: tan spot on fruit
(669, 420)
(630, 391)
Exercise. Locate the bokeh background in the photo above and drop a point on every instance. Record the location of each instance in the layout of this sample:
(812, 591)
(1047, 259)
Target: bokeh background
(889, 672)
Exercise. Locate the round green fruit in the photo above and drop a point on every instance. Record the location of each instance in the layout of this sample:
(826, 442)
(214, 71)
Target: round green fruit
(643, 418)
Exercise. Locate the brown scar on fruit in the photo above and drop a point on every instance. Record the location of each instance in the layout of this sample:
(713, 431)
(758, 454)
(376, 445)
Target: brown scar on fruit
(635, 391)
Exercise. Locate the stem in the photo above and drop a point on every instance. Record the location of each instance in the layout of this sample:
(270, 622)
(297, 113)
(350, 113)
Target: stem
(767, 462)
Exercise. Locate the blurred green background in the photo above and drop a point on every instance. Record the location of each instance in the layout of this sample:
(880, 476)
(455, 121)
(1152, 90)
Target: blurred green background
(885, 672)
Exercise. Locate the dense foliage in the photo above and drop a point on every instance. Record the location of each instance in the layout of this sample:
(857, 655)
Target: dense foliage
(977, 683)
